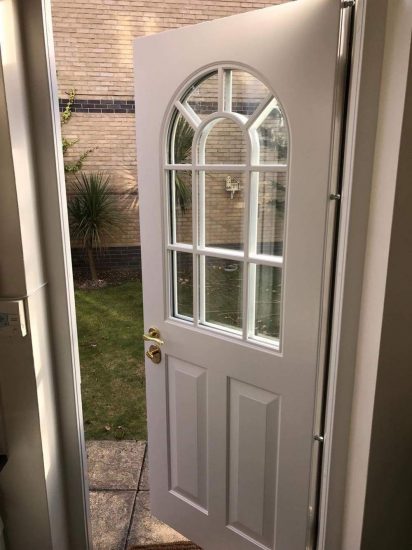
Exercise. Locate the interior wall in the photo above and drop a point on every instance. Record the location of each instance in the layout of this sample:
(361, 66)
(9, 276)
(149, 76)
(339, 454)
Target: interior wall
(22, 481)
(32, 490)
(389, 487)
(366, 492)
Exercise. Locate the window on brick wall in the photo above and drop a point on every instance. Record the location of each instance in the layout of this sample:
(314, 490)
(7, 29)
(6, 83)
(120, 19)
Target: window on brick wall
(226, 175)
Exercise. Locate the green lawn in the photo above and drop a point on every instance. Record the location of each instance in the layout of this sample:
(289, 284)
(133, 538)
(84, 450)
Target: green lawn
(110, 327)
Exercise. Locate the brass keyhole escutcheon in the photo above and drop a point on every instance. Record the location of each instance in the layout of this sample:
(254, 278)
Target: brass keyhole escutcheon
(154, 353)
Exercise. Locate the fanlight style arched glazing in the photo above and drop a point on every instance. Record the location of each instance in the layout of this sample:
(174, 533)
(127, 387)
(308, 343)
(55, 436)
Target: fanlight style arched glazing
(227, 174)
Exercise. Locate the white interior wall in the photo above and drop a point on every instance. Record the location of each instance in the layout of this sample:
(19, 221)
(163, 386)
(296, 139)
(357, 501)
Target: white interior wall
(383, 341)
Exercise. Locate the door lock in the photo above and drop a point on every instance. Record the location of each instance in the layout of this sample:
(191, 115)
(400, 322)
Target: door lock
(154, 353)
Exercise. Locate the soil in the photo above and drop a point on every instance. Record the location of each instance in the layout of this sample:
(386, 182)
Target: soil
(106, 278)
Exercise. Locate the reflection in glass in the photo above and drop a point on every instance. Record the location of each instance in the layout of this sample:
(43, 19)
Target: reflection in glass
(271, 213)
(223, 292)
(225, 143)
(268, 300)
(273, 137)
(247, 92)
(181, 138)
(203, 96)
(183, 287)
(181, 206)
(222, 194)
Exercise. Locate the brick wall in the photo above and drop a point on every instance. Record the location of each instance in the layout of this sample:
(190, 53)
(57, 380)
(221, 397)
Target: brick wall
(93, 44)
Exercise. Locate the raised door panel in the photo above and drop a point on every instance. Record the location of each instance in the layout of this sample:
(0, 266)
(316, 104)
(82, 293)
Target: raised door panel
(188, 431)
(254, 416)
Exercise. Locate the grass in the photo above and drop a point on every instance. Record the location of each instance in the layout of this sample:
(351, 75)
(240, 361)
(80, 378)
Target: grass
(110, 327)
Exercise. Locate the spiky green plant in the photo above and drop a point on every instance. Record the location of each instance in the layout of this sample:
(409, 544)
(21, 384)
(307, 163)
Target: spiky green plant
(183, 151)
(93, 213)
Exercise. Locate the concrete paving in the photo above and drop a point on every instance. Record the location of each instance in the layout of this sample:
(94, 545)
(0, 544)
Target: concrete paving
(120, 497)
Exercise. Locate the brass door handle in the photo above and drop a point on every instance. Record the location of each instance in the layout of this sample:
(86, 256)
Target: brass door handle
(153, 336)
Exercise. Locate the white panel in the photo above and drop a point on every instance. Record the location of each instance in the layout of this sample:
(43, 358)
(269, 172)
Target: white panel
(188, 430)
(253, 457)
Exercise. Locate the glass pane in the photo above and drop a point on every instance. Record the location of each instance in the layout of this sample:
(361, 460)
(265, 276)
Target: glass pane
(202, 96)
(273, 137)
(222, 194)
(225, 143)
(268, 300)
(223, 292)
(181, 138)
(183, 287)
(180, 188)
(247, 92)
(271, 213)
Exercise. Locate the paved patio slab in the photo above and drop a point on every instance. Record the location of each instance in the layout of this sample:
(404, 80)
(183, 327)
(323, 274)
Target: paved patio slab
(110, 514)
(115, 464)
(146, 529)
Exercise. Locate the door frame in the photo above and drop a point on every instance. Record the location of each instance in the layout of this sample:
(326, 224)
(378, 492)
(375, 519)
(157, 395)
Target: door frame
(367, 56)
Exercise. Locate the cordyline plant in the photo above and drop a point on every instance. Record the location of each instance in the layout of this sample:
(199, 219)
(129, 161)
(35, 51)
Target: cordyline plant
(182, 150)
(94, 214)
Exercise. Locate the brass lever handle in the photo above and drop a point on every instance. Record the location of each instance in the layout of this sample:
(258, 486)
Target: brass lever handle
(153, 336)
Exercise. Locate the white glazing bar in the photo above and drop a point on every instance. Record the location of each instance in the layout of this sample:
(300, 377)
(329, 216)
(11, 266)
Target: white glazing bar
(261, 112)
(221, 90)
(189, 114)
(227, 90)
(184, 167)
(260, 109)
(195, 117)
(201, 178)
(202, 289)
(224, 253)
(174, 270)
(246, 237)
(181, 247)
(266, 259)
(195, 225)
(253, 213)
(172, 206)
(230, 167)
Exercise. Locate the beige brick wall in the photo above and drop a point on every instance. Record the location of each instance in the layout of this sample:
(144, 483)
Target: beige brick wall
(93, 43)
(94, 38)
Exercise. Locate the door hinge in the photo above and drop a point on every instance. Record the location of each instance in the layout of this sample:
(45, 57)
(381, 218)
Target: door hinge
(348, 3)
(319, 438)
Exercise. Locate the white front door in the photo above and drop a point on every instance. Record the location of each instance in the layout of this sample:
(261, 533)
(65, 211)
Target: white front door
(235, 120)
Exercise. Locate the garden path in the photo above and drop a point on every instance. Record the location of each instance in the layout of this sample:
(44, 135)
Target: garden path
(119, 497)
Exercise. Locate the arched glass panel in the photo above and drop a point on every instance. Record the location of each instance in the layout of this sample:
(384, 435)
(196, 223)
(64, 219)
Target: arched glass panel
(181, 141)
(202, 97)
(273, 138)
(247, 92)
(227, 205)
(223, 142)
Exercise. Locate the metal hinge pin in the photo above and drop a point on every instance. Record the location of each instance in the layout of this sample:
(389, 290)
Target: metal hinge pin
(319, 438)
(335, 197)
(348, 3)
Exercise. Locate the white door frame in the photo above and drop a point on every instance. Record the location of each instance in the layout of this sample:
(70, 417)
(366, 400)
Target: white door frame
(344, 382)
